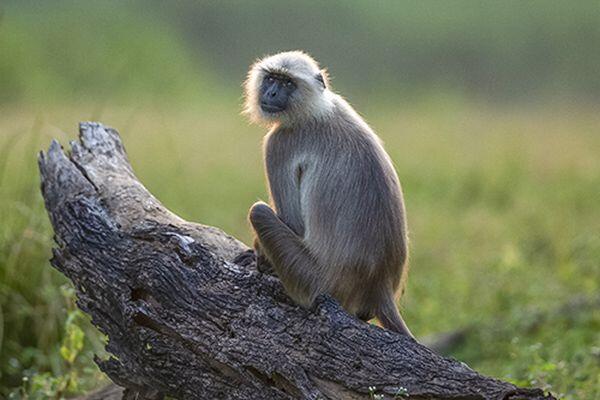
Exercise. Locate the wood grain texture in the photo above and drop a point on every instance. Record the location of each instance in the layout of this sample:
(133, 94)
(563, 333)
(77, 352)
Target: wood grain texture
(183, 320)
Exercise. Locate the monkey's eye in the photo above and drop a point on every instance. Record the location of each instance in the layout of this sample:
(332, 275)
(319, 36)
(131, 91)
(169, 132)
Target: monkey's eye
(289, 83)
(319, 77)
(270, 79)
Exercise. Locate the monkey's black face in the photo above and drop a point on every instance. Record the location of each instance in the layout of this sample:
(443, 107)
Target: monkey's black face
(275, 92)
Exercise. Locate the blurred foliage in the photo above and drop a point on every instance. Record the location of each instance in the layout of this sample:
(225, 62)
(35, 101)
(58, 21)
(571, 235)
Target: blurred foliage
(61, 51)
(489, 110)
(76, 369)
(489, 49)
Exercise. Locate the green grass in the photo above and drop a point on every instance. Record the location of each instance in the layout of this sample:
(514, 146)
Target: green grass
(503, 208)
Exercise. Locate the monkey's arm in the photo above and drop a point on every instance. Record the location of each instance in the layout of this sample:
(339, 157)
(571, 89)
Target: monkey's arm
(284, 188)
(283, 179)
(291, 260)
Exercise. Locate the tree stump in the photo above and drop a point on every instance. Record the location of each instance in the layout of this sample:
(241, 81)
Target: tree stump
(183, 320)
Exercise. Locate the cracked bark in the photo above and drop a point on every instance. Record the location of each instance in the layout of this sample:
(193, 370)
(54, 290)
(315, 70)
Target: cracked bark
(183, 320)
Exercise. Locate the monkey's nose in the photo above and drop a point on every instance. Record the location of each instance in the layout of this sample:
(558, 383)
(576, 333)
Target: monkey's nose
(273, 93)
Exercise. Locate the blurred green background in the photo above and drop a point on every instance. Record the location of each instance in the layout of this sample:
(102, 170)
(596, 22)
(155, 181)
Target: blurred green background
(490, 110)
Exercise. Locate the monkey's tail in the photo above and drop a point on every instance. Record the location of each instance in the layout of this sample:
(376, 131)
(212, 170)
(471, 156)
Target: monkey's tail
(390, 317)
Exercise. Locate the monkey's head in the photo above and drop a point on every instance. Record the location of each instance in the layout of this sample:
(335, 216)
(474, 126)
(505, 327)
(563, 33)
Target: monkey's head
(286, 88)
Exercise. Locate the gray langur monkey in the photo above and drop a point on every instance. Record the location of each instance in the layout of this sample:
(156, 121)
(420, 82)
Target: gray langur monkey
(337, 222)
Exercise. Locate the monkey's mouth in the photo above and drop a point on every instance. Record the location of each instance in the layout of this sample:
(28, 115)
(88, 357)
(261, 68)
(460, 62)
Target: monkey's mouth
(270, 108)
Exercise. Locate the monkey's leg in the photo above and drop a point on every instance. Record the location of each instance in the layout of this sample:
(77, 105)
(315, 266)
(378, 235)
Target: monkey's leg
(290, 259)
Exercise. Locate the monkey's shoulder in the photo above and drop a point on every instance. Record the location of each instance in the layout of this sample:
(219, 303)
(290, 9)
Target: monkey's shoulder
(341, 129)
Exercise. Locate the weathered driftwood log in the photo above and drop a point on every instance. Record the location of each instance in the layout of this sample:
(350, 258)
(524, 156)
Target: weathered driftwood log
(183, 320)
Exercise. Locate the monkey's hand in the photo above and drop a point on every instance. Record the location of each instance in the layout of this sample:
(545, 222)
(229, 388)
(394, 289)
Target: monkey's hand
(253, 258)
(246, 258)
(262, 263)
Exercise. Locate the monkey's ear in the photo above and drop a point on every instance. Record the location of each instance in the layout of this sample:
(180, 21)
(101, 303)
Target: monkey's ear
(323, 78)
